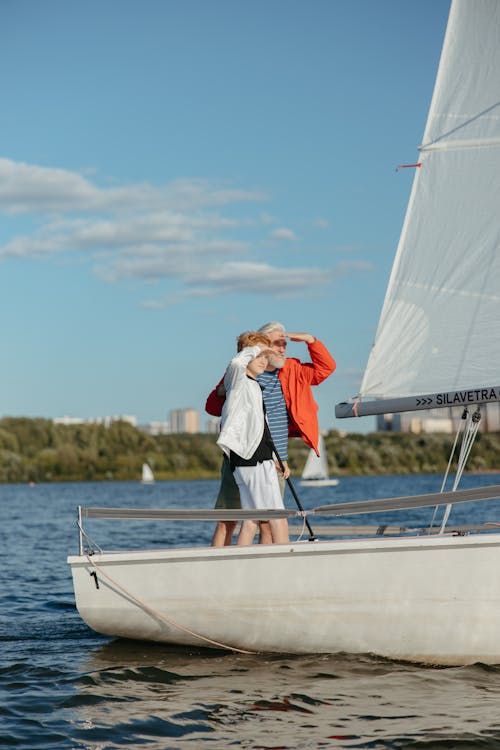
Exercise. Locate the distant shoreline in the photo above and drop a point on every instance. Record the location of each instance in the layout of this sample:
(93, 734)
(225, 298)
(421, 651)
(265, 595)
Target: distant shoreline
(37, 450)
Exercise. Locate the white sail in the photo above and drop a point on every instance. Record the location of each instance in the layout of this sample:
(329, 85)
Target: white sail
(315, 471)
(147, 474)
(316, 466)
(439, 324)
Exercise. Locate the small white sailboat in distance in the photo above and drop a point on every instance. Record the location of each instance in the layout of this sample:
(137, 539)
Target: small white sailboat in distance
(315, 473)
(147, 474)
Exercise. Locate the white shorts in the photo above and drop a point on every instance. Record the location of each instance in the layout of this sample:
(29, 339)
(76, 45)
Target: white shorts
(259, 486)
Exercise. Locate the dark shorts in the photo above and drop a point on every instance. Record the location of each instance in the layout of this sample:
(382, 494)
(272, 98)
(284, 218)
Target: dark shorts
(229, 494)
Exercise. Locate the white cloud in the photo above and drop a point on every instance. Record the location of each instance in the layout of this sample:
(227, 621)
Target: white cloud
(283, 234)
(183, 231)
(268, 219)
(27, 188)
(165, 261)
(254, 279)
(258, 277)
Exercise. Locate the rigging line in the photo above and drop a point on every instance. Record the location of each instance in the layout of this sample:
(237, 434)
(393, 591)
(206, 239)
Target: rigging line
(154, 613)
(302, 528)
(473, 426)
(92, 545)
(471, 118)
(466, 447)
(464, 452)
(461, 427)
(462, 144)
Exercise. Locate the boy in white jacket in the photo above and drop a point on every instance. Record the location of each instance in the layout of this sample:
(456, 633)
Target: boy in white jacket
(245, 436)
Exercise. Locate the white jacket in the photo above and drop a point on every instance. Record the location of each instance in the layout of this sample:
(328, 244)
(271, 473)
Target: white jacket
(242, 421)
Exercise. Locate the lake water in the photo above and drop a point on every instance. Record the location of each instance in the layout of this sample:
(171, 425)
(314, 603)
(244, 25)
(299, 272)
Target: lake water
(63, 686)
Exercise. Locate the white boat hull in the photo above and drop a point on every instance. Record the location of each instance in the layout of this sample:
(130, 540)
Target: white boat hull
(432, 599)
(319, 482)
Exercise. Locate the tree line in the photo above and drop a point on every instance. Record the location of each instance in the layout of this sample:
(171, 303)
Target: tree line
(37, 450)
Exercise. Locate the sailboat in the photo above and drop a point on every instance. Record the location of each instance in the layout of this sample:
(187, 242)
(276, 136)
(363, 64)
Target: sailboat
(432, 596)
(315, 473)
(147, 474)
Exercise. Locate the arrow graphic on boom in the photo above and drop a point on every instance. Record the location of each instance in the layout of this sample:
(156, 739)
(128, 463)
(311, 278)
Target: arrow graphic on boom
(424, 401)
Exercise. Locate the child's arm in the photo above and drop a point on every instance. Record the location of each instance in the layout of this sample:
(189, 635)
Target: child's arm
(237, 368)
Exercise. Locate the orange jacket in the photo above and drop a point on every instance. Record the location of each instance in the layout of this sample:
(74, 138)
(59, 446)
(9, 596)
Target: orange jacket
(296, 379)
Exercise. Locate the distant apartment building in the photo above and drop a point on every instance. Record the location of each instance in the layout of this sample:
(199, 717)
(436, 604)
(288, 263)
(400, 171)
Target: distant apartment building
(180, 420)
(439, 420)
(184, 420)
(212, 425)
(155, 428)
(106, 421)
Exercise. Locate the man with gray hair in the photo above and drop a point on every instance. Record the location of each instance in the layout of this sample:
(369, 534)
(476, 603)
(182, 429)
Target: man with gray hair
(290, 408)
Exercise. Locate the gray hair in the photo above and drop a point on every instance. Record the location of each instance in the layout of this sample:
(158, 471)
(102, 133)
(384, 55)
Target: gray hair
(271, 327)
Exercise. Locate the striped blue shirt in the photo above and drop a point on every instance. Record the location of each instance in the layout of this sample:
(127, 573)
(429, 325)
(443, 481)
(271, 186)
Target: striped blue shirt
(277, 415)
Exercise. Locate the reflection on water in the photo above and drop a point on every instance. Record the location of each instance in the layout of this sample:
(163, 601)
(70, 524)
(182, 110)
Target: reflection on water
(152, 691)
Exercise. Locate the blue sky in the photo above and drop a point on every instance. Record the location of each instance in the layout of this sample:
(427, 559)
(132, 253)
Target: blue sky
(173, 172)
